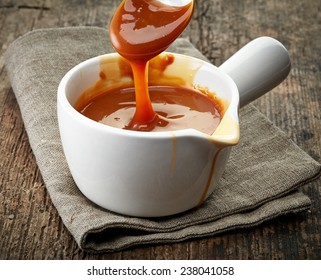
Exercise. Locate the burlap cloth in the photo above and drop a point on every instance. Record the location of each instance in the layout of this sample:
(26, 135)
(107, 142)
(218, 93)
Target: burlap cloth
(261, 180)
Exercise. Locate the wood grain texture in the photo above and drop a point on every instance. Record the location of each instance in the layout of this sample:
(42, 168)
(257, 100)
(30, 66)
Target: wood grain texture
(30, 227)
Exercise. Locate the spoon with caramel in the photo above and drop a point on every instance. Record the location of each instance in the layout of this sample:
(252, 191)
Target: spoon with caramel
(139, 31)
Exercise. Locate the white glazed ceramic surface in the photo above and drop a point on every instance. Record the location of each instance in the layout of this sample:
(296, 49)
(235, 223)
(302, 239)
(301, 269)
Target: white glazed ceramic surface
(150, 174)
(177, 3)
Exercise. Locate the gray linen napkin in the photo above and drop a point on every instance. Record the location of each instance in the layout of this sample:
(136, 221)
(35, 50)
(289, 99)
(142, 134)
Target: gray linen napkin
(260, 182)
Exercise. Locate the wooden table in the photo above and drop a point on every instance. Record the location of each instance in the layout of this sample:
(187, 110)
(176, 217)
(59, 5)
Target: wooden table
(30, 227)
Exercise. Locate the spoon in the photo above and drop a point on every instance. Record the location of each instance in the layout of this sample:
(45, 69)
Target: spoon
(139, 31)
(176, 3)
(142, 29)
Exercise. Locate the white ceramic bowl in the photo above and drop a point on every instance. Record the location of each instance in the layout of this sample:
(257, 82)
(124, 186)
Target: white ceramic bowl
(152, 174)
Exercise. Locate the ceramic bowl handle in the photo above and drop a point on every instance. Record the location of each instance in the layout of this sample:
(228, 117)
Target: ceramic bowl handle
(258, 67)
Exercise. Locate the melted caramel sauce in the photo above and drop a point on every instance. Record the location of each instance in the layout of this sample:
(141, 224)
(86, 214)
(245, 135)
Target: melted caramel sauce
(177, 103)
(142, 29)
(139, 31)
(177, 108)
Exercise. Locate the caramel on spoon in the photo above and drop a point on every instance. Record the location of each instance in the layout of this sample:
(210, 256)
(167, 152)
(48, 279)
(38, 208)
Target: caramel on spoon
(140, 30)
